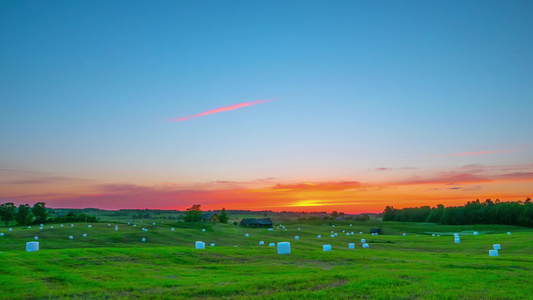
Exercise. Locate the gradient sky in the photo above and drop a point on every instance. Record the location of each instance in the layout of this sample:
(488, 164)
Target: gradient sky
(278, 105)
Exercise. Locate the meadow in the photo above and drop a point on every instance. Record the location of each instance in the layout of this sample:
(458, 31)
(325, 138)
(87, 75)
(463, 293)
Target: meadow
(110, 264)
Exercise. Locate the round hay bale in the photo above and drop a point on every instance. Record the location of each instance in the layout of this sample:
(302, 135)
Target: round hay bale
(246, 235)
(71, 237)
(363, 241)
(365, 245)
(351, 246)
(319, 236)
(508, 233)
(36, 238)
(497, 247)
(203, 230)
(171, 229)
(200, 245)
(296, 237)
(493, 252)
(143, 240)
(212, 245)
(271, 245)
(284, 248)
(261, 243)
(85, 234)
(326, 248)
(32, 246)
(1, 234)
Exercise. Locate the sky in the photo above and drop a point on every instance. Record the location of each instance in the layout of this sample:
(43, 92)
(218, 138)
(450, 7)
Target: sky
(265, 105)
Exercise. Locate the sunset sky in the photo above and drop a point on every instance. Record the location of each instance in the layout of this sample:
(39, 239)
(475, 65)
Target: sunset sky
(265, 105)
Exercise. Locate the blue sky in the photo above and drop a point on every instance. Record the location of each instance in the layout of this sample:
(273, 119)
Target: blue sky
(87, 87)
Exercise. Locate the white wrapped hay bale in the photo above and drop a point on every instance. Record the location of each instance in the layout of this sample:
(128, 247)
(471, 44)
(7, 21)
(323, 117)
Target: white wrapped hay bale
(271, 245)
(363, 241)
(50, 227)
(372, 233)
(71, 225)
(347, 233)
(108, 225)
(343, 231)
(296, 237)
(36, 238)
(497, 247)
(319, 236)
(153, 223)
(360, 232)
(475, 232)
(284, 248)
(61, 225)
(352, 233)
(71, 237)
(457, 240)
(493, 252)
(365, 245)
(332, 231)
(134, 225)
(29, 227)
(271, 229)
(85, 234)
(350, 225)
(200, 245)
(40, 228)
(298, 228)
(246, 235)
(10, 229)
(212, 245)
(41, 225)
(203, 230)
(326, 248)
(433, 235)
(261, 243)
(116, 229)
(90, 226)
(333, 235)
(116, 226)
(143, 240)
(333, 225)
(351, 246)
(171, 229)
(508, 233)
(32, 246)
(1, 234)
(404, 234)
(336, 234)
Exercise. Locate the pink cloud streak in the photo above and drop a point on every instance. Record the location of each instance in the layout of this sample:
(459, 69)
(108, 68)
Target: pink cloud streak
(476, 153)
(218, 110)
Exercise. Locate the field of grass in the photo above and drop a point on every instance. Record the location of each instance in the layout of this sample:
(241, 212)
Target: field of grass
(109, 264)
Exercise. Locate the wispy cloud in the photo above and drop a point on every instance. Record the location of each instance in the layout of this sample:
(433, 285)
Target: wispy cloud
(475, 153)
(219, 110)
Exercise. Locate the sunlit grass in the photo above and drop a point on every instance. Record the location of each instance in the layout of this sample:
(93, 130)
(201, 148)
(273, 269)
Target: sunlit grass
(117, 265)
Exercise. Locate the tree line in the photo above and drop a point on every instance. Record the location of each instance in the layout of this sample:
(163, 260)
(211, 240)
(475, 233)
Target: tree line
(474, 212)
(194, 214)
(25, 214)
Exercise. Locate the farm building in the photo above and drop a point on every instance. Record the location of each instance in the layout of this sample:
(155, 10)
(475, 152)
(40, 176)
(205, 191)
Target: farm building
(375, 230)
(210, 218)
(253, 222)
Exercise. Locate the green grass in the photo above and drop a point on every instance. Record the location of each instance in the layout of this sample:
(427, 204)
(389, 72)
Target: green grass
(110, 264)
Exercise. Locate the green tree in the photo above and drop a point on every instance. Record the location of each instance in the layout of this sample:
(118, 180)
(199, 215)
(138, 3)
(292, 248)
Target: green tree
(23, 216)
(7, 212)
(223, 216)
(193, 214)
(39, 211)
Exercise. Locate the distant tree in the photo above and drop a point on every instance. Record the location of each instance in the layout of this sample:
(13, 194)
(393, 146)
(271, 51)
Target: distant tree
(223, 216)
(39, 211)
(23, 216)
(193, 214)
(334, 214)
(7, 212)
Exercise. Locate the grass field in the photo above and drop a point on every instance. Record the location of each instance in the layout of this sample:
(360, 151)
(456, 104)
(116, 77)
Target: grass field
(113, 264)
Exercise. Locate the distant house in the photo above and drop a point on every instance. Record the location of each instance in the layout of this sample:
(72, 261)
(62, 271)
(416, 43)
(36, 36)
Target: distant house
(210, 218)
(375, 230)
(253, 222)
